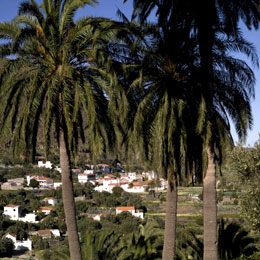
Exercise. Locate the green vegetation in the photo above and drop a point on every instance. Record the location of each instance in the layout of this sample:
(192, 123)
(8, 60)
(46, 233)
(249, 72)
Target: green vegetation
(161, 95)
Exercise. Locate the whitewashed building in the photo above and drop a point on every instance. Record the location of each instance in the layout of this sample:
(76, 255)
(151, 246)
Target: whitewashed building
(50, 200)
(12, 211)
(44, 182)
(132, 175)
(47, 164)
(19, 244)
(85, 177)
(136, 213)
(150, 175)
(30, 217)
(87, 171)
(57, 184)
(45, 210)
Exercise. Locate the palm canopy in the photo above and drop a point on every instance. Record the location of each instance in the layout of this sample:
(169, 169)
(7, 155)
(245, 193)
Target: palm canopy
(172, 114)
(56, 71)
(59, 76)
(172, 126)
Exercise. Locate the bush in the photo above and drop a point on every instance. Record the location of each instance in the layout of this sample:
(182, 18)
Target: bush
(6, 247)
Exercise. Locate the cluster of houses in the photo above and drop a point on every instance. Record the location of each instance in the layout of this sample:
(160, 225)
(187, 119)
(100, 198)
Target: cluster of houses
(130, 182)
(26, 244)
(14, 212)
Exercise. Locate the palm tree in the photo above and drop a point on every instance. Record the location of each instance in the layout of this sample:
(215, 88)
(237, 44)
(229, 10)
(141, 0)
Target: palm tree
(107, 244)
(53, 80)
(205, 25)
(160, 129)
(234, 241)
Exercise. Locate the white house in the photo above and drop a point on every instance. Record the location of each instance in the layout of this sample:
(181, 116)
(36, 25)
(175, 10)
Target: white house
(137, 186)
(87, 171)
(57, 184)
(46, 210)
(136, 213)
(150, 175)
(12, 211)
(50, 200)
(55, 232)
(48, 164)
(19, 244)
(48, 233)
(132, 175)
(30, 217)
(85, 177)
(44, 182)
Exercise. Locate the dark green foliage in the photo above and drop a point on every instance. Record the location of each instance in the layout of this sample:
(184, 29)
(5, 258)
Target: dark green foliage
(234, 241)
(19, 172)
(20, 229)
(145, 242)
(34, 183)
(243, 162)
(117, 191)
(107, 199)
(39, 243)
(85, 190)
(56, 253)
(188, 245)
(6, 247)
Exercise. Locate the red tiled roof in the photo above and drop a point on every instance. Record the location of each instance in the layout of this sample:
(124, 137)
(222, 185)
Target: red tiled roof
(44, 179)
(45, 232)
(12, 206)
(137, 184)
(109, 175)
(125, 208)
(45, 208)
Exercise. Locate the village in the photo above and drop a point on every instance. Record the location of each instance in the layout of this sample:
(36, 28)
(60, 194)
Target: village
(102, 180)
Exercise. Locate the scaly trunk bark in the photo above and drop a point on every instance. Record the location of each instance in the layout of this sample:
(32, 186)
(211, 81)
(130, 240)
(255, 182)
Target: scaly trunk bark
(170, 222)
(68, 200)
(210, 211)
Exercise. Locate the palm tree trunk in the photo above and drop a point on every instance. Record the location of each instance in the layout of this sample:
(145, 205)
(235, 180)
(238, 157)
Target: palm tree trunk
(210, 211)
(68, 200)
(170, 221)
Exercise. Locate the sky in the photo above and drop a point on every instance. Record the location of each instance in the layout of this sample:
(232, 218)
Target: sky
(108, 8)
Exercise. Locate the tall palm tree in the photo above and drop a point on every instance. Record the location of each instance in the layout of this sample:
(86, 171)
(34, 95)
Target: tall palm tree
(53, 81)
(160, 129)
(205, 25)
(224, 14)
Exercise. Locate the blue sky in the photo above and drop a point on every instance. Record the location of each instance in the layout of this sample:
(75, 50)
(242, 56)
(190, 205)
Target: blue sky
(107, 8)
